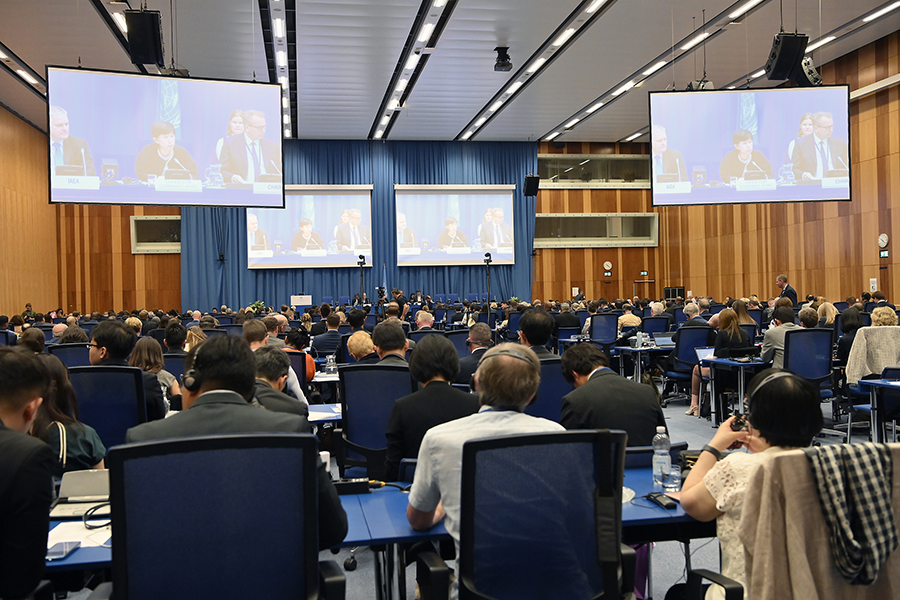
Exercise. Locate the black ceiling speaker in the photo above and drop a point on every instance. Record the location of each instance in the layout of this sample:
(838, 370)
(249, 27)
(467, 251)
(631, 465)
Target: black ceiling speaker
(145, 43)
(787, 52)
(806, 75)
(531, 185)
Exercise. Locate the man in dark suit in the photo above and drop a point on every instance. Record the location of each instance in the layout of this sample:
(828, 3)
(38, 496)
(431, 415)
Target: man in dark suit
(665, 161)
(218, 387)
(353, 235)
(321, 326)
(26, 474)
(814, 155)
(497, 233)
(786, 290)
(566, 318)
(328, 342)
(111, 344)
(478, 342)
(406, 236)
(174, 338)
(881, 301)
(360, 346)
(272, 366)
(390, 343)
(357, 321)
(434, 364)
(535, 329)
(67, 150)
(256, 237)
(604, 400)
(246, 157)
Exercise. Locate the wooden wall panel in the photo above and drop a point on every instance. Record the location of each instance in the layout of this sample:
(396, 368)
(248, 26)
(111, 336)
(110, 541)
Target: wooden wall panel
(825, 249)
(28, 228)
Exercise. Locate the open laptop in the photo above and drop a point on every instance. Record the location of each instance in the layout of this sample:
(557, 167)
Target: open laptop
(664, 340)
(81, 490)
(704, 353)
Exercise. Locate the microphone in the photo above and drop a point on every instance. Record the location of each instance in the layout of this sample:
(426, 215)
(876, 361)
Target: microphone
(183, 167)
(839, 158)
(753, 162)
(276, 166)
(678, 166)
(83, 162)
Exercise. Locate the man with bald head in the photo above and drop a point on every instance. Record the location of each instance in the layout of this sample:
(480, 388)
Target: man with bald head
(256, 237)
(666, 163)
(67, 150)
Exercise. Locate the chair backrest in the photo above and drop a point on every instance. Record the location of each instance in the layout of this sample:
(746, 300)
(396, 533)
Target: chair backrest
(344, 328)
(174, 364)
(110, 399)
(756, 314)
(298, 363)
(540, 495)
(807, 353)
(892, 373)
(750, 330)
(235, 330)
(88, 328)
(866, 318)
(159, 335)
(548, 401)
(213, 332)
(439, 315)
(440, 298)
(419, 334)
(372, 320)
(7, 337)
(72, 355)
(689, 339)
(368, 393)
(225, 319)
(637, 457)
(658, 324)
(489, 318)
(566, 333)
(236, 517)
(459, 337)
(583, 316)
(512, 324)
(343, 354)
(680, 317)
(452, 298)
(344, 300)
(841, 306)
(473, 297)
(407, 470)
(716, 309)
(604, 327)
(327, 300)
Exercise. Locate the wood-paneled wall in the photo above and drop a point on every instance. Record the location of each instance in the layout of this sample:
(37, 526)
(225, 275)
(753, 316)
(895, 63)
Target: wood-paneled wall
(824, 248)
(28, 254)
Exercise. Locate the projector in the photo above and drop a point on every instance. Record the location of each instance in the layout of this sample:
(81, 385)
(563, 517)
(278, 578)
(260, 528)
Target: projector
(699, 84)
(504, 63)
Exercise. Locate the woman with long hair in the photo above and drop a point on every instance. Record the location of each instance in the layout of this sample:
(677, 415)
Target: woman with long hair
(827, 313)
(78, 447)
(147, 356)
(730, 336)
(235, 126)
(195, 335)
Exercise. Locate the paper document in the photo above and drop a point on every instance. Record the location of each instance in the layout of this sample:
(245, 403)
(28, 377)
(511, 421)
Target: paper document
(77, 532)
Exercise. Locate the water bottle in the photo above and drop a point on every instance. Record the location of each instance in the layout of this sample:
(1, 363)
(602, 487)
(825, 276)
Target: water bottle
(331, 366)
(662, 460)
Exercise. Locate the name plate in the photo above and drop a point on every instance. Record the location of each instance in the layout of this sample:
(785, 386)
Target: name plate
(260, 254)
(267, 187)
(504, 249)
(178, 185)
(316, 252)
(756, 185)
(458, 250)
(836, 182)
(672, 187)
(76, 182)
(409, 251)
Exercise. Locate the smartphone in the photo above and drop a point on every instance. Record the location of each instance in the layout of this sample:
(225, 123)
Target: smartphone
(662, 500)
(62, 550)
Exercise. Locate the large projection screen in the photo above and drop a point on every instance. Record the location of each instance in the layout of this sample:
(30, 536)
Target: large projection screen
(454, 225)
(122, 138)
(319, 227)
(750, 146)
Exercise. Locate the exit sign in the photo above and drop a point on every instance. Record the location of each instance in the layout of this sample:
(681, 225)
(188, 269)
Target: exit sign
(607, 273)
(644, 273)
(884, 254)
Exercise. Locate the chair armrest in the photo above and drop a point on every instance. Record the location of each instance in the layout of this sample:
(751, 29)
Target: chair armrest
(733, 589)
(433, 576)
(332, 582)
(629, 565)
(102, 592)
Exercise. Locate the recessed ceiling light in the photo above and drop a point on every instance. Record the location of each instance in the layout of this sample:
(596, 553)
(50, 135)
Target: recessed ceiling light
(439, 3)
(584, 162)
(379, 133)
(401, 85)
(412, 61)
(551, 136)
(467, 135)
(120, 21)
(594, 108)
(284, 102)
(593, 7)
(287, 119)
(624, 88)
(571, 123)
(496, 105)
(536, 65)
(281, 58)
(278, 26)
(758, 74)
(26, 77)
(426, 32)
(655, 67)
(393, 104)
(820, 43)
(514, 87)
(287, 133)
(384, 120)
(881, 12)
(480, 121)
(743, 9)
(564, 36)
(633, 136)
(695, 41)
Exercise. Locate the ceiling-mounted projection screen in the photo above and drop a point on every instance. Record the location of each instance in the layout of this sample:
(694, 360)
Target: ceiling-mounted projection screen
(750, 146)
(319, 226)
(123, 138)
(454, 225)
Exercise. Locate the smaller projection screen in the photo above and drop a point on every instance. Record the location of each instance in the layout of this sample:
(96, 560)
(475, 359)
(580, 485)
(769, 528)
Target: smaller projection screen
(121, 138)
(319, 226)
(454, 225)
(750, 146)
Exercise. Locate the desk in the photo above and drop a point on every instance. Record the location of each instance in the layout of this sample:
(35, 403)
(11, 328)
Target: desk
(92, 557)
(638, 359)
(878, 390)
(726, 364)
(325, 413)
(643, 521)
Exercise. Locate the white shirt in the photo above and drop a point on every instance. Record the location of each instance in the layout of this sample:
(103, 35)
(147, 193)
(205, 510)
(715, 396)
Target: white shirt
(251, 147)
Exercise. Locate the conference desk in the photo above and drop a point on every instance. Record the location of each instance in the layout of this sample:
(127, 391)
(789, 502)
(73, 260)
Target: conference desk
(637, 357)
(879, 391)
(717, 365)
(325, 413)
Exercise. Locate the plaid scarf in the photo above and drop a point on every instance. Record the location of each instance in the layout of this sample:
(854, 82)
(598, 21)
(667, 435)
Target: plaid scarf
(854, 489)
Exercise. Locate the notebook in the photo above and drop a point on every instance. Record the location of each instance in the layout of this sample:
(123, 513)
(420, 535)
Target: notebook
(81, 490)
(664, 340)
(704, 353)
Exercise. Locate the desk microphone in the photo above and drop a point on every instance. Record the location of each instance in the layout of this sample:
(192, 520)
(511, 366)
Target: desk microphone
(191, 175)
(753, 162)
(839, 158)
(83, 162)
(276, 166)
(678, 166)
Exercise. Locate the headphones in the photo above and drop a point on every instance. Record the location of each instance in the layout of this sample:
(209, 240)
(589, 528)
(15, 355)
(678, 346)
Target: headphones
(513, 351)
(193, 379)
(767, 379)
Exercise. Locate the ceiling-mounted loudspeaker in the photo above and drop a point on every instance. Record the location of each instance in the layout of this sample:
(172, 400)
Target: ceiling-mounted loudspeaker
(786, 54)
(806, 75)
(699, 84)
(145, 44)
(531, 185)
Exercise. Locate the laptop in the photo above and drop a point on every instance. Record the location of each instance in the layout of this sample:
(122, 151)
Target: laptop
(664, 340)
(704, 353)
(81, 490)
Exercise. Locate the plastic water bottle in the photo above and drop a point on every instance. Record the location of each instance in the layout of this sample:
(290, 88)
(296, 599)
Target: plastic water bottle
(662, 460)
(331, 366)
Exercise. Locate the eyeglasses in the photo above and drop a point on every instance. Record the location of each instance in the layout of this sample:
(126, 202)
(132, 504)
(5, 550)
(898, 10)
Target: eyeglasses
(260, 127)
(93, 345)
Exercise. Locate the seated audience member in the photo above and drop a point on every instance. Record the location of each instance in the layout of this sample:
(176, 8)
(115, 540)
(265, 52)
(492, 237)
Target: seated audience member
(328, 342)
(147, 356)
(850, 323)
(26, 474)
(535, 330)
(320, 327)
(216, 401)
(296, 341)
(111, 344)
(195, 335)
(360, 346)
(135, 324)
(566, 318)
(254, 334)
(629, 319)
(773, 340)
(730, 337)
(827, 314)
(593, 308)
(808, 317)
(33, 339)
(784, 413)
(163, 155)
(434, 364)
(306, 238)
(357, 321)
(507, 380)
(424, 320)
(18, 324)
(76, 445)
(74, 335)
(272, 366)
(741, 161)
(452, 236)
(175, 338)
(58, 330)
(602, 399)
(884, 316)
(272, 330)
(478, 342)
(390, 343)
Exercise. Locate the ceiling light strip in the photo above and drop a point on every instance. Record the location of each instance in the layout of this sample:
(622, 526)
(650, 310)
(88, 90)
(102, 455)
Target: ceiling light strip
(22, 71)
(578, 21)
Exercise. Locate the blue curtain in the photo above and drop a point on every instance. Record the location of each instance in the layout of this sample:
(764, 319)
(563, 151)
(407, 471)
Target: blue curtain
(213, 256)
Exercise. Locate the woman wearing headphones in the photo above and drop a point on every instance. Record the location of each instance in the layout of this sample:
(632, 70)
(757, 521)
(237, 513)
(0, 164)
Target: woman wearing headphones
(784, 413)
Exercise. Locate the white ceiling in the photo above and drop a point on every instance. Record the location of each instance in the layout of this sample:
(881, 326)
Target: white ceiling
(347, 51)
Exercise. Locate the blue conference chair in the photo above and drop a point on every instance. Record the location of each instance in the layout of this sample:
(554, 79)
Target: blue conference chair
(453, 298)
(658, 324)
(472, 297)
(110, 399)
(583, 316)
(7, 338)
(841, 306)
(72, 355)
(756, 314)
(565, 333)
(225, 319)
(512, 324)
(344, 300)
(235, 330)
(489, 318)
(684, 356)
(174, 364)
(439, 298)
(529, 497)
(807, 353)
(419, 334)
(604, 329)
(327, 300)
(215, 332)
(548, 401)
(459, 337)
(257, 539)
